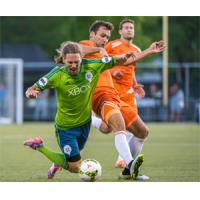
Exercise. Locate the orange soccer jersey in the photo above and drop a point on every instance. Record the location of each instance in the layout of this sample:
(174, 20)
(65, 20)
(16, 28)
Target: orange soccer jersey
(105, 98)
(125, 83)
(105, 79)
(104, 90)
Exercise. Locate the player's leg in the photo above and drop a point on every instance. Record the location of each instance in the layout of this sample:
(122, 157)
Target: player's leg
(130, 115)
(67, 140)
(120, 163)
(113, 117)
(139, 129)
(82, 138)
(100, 125)
(37, 144)
(141, 132)
(136, 127)
(81, 135)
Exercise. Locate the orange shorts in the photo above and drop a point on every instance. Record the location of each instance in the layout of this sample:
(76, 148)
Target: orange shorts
(129, 113)
(102, 95)
(105, 104)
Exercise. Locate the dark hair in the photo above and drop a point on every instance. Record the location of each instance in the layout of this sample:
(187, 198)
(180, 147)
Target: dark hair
(97, 24)
(66, 48)
(125, 21)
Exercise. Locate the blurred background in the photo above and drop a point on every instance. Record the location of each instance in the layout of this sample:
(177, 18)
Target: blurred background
(27, 48)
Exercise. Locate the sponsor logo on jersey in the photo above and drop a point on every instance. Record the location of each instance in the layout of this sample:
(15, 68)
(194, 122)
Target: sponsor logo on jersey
(67, 149)
(43, 81)
(88, 76)
(78, 90)
(106, 59)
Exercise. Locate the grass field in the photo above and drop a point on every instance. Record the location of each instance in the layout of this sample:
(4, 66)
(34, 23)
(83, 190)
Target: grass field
(172, 153)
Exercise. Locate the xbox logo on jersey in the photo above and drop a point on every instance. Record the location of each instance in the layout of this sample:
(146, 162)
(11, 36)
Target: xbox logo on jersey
(78, 90)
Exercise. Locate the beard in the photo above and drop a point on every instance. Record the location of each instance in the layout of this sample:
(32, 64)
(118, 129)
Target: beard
(129, 38)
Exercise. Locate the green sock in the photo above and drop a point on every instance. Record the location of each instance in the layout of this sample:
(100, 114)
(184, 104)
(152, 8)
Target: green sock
(57, 158)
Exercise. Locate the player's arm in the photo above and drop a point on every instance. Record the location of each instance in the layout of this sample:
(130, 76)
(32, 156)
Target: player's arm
(155, 47)
(86, 50)
(110, 62)
(50, 80)
(122, 59)
(32, 92)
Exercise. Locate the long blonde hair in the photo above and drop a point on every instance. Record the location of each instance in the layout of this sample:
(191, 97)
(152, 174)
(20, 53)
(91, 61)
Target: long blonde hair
(66, 47)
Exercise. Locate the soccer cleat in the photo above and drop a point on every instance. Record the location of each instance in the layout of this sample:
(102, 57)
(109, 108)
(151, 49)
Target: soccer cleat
(125, 174)
(120, 164)
(52, 170)
(135, 166)
(140, 177)
(34, 143)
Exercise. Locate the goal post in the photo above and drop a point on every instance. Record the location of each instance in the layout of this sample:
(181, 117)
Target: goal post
(11, 90)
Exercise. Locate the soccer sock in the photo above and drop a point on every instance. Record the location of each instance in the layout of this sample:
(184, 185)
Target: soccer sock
(96, 122)
(57, 158)
(122, 146)
(128, 138)
(136, 145)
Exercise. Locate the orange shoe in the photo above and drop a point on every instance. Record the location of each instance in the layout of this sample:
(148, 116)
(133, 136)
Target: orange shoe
(120, 164)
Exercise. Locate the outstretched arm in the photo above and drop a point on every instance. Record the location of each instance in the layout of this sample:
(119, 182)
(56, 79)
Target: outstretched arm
(32, 92)
(155, 47)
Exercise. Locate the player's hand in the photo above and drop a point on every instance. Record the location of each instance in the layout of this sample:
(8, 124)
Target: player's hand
(117, 74)
(138, 89)
(157, 47)
(32, 93)
(103, 52)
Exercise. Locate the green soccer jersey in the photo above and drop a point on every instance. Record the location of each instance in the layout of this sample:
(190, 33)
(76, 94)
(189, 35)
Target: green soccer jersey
(74, 92)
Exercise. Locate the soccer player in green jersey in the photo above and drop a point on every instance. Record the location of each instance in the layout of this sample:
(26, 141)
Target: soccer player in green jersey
(74, 83)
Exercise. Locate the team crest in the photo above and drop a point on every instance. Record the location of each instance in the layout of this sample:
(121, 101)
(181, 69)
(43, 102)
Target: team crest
(67, 149)
(43, 81)
(106, 59)
(88, 76)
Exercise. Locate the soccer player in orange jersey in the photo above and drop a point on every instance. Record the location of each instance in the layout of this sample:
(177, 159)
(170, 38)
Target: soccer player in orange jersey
(125, 83)
(118, 114)
(106, 102)
(109, 102)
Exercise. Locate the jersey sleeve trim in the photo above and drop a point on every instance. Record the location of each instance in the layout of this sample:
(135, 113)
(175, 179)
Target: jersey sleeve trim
(38, 87)
(53, 71)
(89, 61)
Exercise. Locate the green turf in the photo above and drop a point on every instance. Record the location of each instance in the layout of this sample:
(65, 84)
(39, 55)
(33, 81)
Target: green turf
(172, 153)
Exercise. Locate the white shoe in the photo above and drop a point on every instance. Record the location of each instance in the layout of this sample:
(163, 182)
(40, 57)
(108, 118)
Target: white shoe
(142, 177)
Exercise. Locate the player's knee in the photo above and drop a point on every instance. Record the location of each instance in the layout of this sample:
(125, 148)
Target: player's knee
(145, 132)
(118, 126)
(106, 130)
(116, 122)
